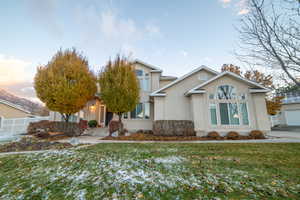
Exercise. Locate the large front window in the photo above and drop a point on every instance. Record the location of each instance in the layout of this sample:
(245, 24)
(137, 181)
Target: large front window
(227, 107)
(141, 111)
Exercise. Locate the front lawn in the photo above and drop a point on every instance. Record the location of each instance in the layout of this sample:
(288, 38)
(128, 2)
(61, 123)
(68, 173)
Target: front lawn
(155, 171)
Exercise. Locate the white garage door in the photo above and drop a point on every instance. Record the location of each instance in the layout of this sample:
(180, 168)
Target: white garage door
(292, 117)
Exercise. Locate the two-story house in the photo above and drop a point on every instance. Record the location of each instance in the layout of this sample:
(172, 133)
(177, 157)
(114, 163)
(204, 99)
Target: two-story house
(210, 100)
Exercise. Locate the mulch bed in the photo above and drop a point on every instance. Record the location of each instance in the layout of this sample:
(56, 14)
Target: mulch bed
(149, 137)
(32, 144)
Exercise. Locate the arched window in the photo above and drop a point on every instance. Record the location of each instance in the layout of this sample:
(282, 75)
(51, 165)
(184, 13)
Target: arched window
(227, 107)
(226, 92)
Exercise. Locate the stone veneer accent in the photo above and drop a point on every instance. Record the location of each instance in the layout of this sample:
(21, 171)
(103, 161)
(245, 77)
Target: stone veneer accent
(174, 128)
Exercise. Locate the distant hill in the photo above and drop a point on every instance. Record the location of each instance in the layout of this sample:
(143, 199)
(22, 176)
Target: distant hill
(34, 108)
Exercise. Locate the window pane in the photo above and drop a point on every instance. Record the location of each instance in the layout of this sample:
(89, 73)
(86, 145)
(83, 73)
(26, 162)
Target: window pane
(133, 114)
(226, 92)
(141, 83)
(139, 72)
(224, 113)
(244, 112)
(146, 84)
(139, 111)
(147, 110)
(234, 114)
(125, 115)
(213, 114)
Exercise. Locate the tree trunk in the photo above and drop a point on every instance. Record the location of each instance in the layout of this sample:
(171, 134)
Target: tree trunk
(66, 117)
(121, 128)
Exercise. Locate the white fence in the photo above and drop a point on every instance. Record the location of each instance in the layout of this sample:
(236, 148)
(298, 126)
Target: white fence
(16, 126)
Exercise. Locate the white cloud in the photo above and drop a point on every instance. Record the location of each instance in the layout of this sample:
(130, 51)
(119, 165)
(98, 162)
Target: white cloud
(153, 30)
(13, 70)
(225, 3)
(45, 14)
(114, 27)
(242, 7)
(184, 53)
(243, 11)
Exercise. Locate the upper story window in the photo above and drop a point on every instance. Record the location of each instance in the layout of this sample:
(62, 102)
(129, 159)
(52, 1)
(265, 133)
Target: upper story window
(139, 72)
(144, 80)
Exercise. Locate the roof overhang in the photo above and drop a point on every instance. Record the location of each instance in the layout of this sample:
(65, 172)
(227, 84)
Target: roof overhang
(14, 106)
(195, 92)
(184, 77)
(152, 67)
(261, 88)
(158, 95)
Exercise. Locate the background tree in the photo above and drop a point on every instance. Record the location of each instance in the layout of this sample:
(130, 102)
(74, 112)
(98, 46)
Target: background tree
(270, 36)
(65, 84)
(231, 68)
(273, 103)
(119, 87)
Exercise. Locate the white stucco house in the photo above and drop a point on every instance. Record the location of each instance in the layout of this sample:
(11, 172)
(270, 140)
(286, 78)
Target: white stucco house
(212, 101)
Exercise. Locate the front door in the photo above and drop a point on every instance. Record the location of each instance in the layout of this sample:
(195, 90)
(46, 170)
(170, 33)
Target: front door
(109, 116)
(102, 115)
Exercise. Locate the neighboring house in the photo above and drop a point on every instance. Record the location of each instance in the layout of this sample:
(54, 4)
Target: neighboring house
(289, 114)
(9, 110)
(211, 100)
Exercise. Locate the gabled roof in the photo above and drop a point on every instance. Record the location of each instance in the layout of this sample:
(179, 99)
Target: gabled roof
(167, 78)
(157, 92)
(14, 106)
(261, 88)
(153, 68)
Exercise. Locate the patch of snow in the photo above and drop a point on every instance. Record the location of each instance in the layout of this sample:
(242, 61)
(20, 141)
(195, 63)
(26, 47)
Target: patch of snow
(170, 160)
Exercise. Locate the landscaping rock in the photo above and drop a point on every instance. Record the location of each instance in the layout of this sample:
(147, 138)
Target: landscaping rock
(43, 128)
(174, 128)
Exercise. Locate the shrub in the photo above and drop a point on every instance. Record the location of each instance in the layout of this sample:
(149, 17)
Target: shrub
(93, 123)
(113, 126)
(213, 135)
(232, 135)
(257, 134)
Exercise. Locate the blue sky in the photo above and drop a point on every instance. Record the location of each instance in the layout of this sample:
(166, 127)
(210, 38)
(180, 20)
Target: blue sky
(175, 35)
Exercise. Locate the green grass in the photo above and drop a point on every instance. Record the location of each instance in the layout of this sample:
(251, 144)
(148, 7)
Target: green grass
(155, 171)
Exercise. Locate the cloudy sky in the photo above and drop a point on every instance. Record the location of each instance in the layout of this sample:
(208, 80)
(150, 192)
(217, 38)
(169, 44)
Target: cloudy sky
(174, 35)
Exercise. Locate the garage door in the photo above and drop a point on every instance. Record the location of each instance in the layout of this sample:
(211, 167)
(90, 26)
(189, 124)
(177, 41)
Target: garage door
(292, 117)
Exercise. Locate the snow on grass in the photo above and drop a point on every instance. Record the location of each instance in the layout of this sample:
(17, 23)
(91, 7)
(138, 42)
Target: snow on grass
(170, 160)
(76, 174)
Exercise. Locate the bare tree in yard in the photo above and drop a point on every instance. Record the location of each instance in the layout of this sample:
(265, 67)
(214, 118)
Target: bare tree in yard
(119, 87)
(270, 36)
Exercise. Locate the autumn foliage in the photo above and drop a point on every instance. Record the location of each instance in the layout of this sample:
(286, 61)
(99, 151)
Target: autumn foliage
(273, 104)
(65, 84)
(119, 87)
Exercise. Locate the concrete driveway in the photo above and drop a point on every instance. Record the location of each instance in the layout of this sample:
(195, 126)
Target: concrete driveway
(285, 134)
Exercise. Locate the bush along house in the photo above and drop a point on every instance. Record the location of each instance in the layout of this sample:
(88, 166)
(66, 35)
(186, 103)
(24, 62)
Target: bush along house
(196, 103)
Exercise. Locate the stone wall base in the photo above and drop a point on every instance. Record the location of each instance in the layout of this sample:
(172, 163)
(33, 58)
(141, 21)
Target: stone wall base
(174, 128)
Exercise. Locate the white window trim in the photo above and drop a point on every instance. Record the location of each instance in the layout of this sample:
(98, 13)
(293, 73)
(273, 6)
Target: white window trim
(236, 100)
(143, 105)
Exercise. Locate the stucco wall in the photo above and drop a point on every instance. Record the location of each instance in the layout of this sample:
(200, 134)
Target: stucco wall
(133, 125)
(176, 105)
(257, 113)
(10, 112)
(163, 83)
